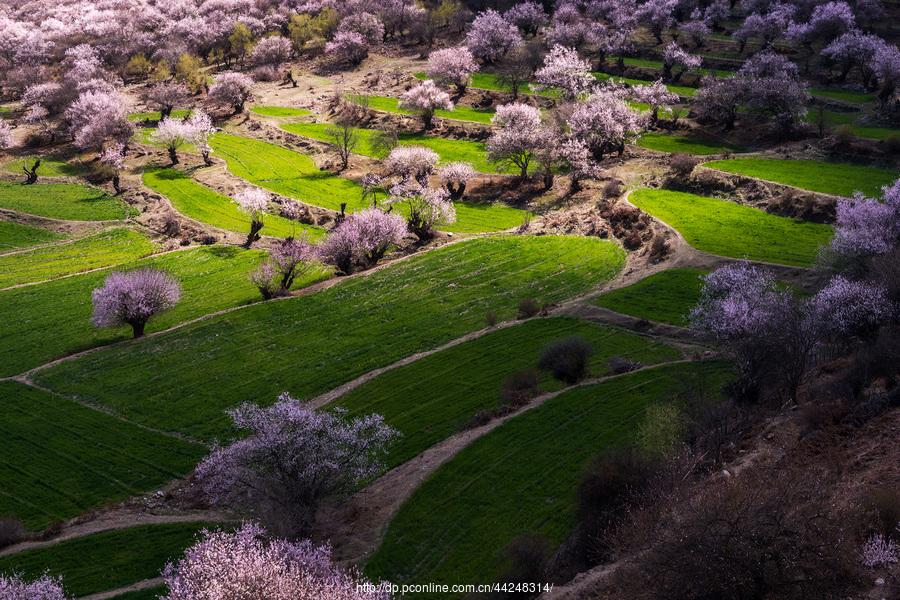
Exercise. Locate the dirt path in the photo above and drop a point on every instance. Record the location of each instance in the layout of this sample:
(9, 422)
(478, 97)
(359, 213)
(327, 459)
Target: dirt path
(357, 527)
(134, 587)
(120, 518)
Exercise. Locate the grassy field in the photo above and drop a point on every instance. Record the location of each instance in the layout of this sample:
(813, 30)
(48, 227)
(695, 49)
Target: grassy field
(199, 202)
(285, 172)
(449, 150)
(143, 135)
(280, 111)
(840, 179)
(666, 142)
(110, 247)
(108, 560)
(730, 229)
(430, 399)
(50, 167)
(212, 278)
(155, 115)
(15, 235)
(61, 459)
(310, 344)
(852, 96)
(63, 201)
(667, 296)
(153, 593)
(657, 65)
(835, 119)
(459, 113)
(519, 479)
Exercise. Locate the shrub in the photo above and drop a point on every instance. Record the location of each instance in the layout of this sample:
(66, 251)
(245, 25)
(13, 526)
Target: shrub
(885, 505)
(843, 135)
(892, 143)
(567, 359)
(490, 318)
(11, 531)
(682, 165)
(528, 307)
(620, 364)
(526, 558)
(879, 551)
(612, 189)
(519, 388)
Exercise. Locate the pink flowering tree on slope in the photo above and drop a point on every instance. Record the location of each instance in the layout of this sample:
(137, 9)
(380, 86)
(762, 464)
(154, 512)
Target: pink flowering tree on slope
(290, 259)
(454, 177)
(245, 565)
(292, 458)
(232, 90)
(517, 136)
(347, 48)
(425, 98)
(362, 239)
(45, 588)
(113, 157)
(491, 36)
(133, 297)
(166, 96)
(414, 163)
(657, 96)
(866, 226)
(427, 208)
(6, 136)
(675, 56)
(605, 123)
(452, 66)
(253, 202)
(770, 333)
(528, 16)
(97, 117)
(565, 70)
(173, 133)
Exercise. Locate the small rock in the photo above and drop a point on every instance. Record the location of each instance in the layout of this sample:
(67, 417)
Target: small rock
(726, 473)
(879, 581)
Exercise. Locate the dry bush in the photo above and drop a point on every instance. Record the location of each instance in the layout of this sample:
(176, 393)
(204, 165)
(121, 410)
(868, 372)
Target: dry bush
(659, 249)
(171, 225)
(682, 165)
(11, 532)
(519, 388)
(619, 364)
(528, 307)
(567, 359)
(526, 561)
(613, 189)
(490, 318)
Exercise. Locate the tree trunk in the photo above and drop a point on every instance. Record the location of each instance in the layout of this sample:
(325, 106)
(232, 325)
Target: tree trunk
(428, 117)
(117, 183)
(206, 159)
(173, 155)
(138, 328)
(253, 236)
(164, 112)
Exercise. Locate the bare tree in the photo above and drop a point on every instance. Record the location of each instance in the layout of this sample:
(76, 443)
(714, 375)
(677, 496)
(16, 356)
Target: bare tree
(344, 138)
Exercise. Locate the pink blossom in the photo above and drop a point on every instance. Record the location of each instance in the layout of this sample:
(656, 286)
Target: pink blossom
(879, 551)
(452, 66)
(490, 36)
(245, 565)
(517, 135)
(844, 307)
(454, 177)
(657, 95)
(605, 122)
(365, 24)
(527, 16)
(347, 47)
(232, 89)
(564, 69)
(674, 56)
(291, 458)
(425, 98)
(362, 239)
(45, 588)
(133, 297)
(252, 201)
(98, 117)
(6, 136)
(166, 96)
(411, 162)
(865, 226)
(428, 208)
(273, 50)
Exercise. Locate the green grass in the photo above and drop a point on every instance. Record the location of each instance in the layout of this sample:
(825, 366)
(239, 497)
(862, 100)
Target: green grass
(459, 113)
(470, 217)
(61, 459)
(667, 142)
(472, 152)
(143, 135)
(730, 229)
(280, 111)
(521, 478)
(667, 296)
(108, 560)
(836, 119)
(155, 115)
(212, 278)
(285, 172)
(430, 399)
(196, 201)
(15, 235)
(63, 201)
(840, 179)
(682, 90)
(657, 65)
(50, 167)
(311, 344)
(483, 80)
(103, 249)
(852, 96)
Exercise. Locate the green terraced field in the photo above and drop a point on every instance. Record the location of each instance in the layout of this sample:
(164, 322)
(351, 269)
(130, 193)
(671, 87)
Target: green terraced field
(50, 167)
(103, 249)
(311, 344)
(108, 560)
(839, 179)
(666, 297)
(459, 113)
(667, 142)
(657, 65)
(212, 278)
(472, 152)
(852, 96)
(196, 201)
(15, 235)
(286, 172)
(280, 111)
(852, 120)
(61, 459)
(434, 397)
(63, 201)
(155, 115)
(519, 479)
(153, 593)
(482, 80)
(143, 135)
(730, 229)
